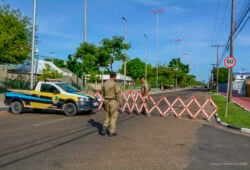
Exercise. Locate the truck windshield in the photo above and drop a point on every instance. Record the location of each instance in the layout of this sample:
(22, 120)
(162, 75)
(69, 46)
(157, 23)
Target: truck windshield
(67, 87)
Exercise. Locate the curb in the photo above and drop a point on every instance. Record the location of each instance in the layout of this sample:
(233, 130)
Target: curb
(217, 118)
(241, 106)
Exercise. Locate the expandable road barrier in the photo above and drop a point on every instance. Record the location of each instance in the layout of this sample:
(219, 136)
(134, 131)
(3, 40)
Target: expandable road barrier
(134, 105)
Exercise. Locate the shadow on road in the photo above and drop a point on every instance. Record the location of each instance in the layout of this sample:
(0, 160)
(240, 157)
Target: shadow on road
(96, 124)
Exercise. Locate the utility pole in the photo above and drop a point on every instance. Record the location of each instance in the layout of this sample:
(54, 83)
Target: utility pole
(230, 89)
(33, 47)
(84, 40)
(125, 60)
(52, 56)
(213, 74)
(146, 74)
(217, 67)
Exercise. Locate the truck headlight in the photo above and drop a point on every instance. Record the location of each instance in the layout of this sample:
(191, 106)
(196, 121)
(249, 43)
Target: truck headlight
(83, 99)
(98, 99)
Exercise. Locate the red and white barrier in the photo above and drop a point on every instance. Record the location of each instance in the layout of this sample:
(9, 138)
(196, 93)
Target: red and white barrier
(134, 106)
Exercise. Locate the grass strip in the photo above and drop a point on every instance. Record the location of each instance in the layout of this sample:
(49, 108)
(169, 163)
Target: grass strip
(236, 116)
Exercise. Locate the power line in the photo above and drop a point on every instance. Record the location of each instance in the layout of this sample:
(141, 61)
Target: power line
(238, 28)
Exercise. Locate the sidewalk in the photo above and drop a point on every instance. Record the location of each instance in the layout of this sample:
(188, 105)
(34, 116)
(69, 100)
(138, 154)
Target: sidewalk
(240, 100)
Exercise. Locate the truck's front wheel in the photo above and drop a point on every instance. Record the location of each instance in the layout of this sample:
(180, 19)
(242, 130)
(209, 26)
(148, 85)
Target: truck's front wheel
(16, 107)
(70, 109)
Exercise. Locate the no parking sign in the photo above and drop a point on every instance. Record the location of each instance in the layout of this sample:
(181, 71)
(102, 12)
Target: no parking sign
(230, 62)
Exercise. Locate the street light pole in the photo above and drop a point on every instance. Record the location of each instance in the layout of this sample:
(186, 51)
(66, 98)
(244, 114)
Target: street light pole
(157, 12)
(84, 40)
(146, 74)
(157, 54)
(125, 40)
(85, 22)
(33, 46)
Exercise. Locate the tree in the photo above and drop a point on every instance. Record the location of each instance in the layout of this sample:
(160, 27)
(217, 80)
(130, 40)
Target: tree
(88, 54)
(48, 73)
(135, 68)
(176, 63)
(103, 57)
(114, 49)
(15, 35)
(74, 66)
(223, 75)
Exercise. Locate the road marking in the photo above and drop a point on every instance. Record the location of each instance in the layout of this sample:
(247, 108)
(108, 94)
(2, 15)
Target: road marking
(48, 122)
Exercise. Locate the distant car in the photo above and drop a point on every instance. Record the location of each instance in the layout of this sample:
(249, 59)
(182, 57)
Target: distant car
(195, 86)
(51, 94)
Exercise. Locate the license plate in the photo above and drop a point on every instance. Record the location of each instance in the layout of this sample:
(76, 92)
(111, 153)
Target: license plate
(95, 104)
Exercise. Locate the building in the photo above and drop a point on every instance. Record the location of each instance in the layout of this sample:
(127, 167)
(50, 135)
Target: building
(39, 65)
(119, 78)
(241, 76)
(239, 83)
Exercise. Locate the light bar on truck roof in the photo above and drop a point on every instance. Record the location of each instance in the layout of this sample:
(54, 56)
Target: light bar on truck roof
(52, 80)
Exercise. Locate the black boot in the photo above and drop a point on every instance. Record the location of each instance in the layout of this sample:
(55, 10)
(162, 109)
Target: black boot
(103, 131)
(113, 134)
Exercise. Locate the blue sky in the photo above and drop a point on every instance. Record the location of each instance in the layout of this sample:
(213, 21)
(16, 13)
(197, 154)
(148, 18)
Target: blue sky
(199, 23)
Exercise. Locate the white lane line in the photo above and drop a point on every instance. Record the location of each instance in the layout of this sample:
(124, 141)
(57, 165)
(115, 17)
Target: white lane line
(48, 122)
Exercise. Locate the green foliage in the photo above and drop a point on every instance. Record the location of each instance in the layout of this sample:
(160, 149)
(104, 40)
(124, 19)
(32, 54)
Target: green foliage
(135, 68)
(88, 54)
(15, 35)
(103, 56)
(167, 75)
(223, 75)
(236, 115)
(74, 66)
(48, 73)
(93, 77)
(114, 49)
(176, 63)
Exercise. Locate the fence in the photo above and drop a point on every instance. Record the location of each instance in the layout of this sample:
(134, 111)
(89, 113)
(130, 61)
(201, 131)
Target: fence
(136, 102)
(6, 83)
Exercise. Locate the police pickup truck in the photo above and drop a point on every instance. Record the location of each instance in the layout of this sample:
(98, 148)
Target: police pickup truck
(51, 94)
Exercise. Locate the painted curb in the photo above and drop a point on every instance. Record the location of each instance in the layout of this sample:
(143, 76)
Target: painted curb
(217, 118)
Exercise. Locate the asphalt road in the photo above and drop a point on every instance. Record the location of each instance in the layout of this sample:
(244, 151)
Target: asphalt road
(49, 140)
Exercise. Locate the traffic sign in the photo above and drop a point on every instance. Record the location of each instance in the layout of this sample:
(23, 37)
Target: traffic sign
(230, 62)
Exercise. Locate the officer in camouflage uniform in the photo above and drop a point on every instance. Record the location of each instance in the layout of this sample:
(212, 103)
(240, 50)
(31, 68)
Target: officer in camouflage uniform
(144, 92)
(112, 99)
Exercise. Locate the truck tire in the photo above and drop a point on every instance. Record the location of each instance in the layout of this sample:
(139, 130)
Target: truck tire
(70, 109)
(16, 107)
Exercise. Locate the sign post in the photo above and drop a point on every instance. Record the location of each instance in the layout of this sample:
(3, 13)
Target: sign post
(229, 63)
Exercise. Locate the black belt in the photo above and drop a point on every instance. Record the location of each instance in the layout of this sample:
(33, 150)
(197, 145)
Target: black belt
(110, 98)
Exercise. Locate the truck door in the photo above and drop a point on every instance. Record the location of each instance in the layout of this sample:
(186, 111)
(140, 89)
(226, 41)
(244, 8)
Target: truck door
(48, 97)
